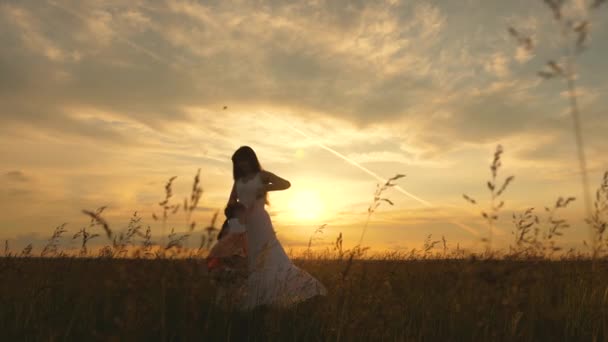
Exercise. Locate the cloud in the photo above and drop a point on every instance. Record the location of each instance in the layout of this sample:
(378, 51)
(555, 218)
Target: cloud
(15, 185)
(365, 63)
(30, 33)
(421, 71)
(498, 65)
(16, 176)
(242, 58)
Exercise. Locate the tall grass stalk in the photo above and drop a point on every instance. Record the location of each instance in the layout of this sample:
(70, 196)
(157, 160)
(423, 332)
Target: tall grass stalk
(491, 215)
(378, 199)
(575, 35)
(358, 250)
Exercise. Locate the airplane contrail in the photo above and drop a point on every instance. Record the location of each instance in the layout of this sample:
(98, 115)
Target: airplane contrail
(125, 40)
(362, 168)
(376, 176)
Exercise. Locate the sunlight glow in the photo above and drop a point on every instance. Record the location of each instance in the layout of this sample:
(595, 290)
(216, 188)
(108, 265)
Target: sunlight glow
(306, 205)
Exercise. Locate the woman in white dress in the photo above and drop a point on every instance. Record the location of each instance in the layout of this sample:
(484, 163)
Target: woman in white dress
(273, 279)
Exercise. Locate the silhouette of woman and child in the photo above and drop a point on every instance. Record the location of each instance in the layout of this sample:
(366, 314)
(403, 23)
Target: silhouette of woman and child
(248, 261)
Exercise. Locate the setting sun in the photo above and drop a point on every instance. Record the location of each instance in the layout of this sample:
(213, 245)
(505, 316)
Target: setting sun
(306, 205)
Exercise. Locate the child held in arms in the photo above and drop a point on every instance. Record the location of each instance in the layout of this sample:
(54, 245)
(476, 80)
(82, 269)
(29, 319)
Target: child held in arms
(227, 260)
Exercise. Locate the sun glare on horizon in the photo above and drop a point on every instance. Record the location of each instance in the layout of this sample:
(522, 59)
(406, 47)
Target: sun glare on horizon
(306, 205)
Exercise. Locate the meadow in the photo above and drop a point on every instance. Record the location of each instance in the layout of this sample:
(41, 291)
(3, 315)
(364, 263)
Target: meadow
(390, 299)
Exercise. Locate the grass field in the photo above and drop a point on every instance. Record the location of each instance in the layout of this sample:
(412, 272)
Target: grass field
(55, 299)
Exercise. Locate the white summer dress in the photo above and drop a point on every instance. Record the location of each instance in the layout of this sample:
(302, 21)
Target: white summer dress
(273, 279)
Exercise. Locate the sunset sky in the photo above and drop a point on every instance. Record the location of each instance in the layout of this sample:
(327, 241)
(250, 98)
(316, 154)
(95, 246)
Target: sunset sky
(103, 101)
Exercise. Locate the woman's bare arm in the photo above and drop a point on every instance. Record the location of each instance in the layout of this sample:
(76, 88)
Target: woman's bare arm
(273, 182)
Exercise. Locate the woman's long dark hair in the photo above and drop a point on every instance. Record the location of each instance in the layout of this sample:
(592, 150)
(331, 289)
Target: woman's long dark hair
(246, 153)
